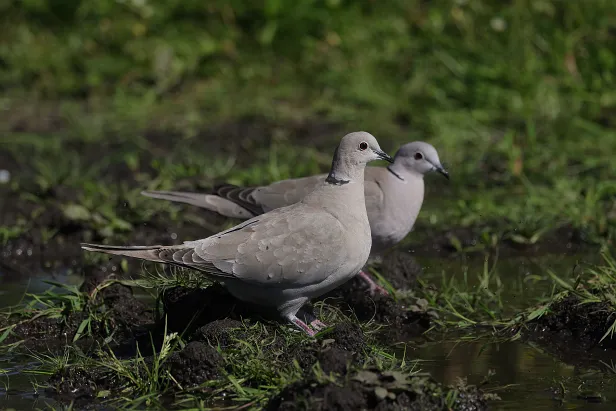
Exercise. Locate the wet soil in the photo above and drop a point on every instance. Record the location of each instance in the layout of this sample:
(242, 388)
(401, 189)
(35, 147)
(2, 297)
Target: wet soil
(335, 351)
(82, 384)
(212, 323)
(401, 320)
(374, 390)
(401, 269)
(575, 332)
(196, 364)
(52, 241)
(114, 313)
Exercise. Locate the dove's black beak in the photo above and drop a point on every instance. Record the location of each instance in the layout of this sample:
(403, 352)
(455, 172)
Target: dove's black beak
(383, 155)
(441, 170)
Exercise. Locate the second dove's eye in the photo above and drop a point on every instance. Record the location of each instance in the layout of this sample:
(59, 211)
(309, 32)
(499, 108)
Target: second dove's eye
(418, 156)
(363, 145)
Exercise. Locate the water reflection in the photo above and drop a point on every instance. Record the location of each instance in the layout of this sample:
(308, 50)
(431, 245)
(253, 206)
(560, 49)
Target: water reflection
(530, 377)
(14, 287)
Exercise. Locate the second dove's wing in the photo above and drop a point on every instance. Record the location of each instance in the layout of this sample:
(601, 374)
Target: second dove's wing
(286, 192)
(373, 194)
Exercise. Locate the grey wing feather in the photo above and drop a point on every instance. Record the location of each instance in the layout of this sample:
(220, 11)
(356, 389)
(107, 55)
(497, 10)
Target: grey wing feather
(290, 246)
(373, 193)
(241, 196)
(211, 202)
(245, 202)
(286, 192)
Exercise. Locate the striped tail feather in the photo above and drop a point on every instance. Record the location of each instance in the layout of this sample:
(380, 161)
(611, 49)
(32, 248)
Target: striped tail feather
(150, 253)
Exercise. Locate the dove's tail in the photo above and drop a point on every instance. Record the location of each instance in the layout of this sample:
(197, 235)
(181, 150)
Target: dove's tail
(212, 202)
(150, 253)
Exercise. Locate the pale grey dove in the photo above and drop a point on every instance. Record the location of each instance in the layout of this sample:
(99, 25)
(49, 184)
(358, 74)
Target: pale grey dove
(393, 196)
(287, 256)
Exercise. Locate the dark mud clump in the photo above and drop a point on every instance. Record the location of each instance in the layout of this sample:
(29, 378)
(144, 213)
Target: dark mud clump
(374, 390)
(188, 309)
(572, 327)
(334, 360)
(114, 311)
(81, 384)
(343, 345)
(401, 320)
(348, 337)
(128, 315)
(41, 332)
(195, 364)
(220, 333)
(401, 270)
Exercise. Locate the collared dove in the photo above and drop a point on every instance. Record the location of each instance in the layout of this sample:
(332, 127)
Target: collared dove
(393, 196)
(287, 256)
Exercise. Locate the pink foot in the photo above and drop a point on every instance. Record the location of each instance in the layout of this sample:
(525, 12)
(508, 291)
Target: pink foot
(302, 325)
(373, 287)
(318, 325)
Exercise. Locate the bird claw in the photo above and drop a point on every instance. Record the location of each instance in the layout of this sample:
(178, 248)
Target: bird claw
(303, 326)
(373, 287)
(315, 326)
(318, 325)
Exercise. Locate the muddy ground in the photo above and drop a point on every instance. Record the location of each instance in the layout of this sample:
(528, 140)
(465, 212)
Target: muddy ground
(575, 332)
(211, 321)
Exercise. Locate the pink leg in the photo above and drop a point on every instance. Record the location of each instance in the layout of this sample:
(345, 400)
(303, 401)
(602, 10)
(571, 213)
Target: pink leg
(300, 324)
(373, 287)
(318, 325)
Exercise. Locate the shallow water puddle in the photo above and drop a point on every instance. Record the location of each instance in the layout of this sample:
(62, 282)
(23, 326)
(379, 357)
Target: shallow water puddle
(525, 377)
(17, 388)
(530, 378)
(14, 287)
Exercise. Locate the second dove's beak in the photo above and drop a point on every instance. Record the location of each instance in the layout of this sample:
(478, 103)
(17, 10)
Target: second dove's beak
(383, 155)
(441, 170)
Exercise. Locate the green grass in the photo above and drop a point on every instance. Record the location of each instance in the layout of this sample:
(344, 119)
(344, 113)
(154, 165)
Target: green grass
(82, 314)
(481, 302)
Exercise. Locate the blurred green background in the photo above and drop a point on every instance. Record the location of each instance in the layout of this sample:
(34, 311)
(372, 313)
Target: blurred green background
(518, 96)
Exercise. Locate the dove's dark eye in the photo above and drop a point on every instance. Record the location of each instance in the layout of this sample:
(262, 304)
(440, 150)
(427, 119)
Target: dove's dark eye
(418, 156)
(363, 145)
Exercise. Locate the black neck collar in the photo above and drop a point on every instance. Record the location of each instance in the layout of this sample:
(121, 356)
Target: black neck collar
(394, 173)
(331, 179)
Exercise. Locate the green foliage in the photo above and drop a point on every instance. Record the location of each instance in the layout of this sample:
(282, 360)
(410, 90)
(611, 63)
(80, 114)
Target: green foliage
(517, 97)
(529, 60)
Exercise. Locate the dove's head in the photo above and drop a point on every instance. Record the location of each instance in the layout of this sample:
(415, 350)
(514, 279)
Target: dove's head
(353, 152)
(360, 148)
(418, 157)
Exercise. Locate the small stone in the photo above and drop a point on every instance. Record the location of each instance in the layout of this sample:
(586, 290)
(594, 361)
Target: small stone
(381, 393)
(5, 176)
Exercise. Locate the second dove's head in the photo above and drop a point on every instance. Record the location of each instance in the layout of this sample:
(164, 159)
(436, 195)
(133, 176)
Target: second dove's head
(419, 157)
(360, 148)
